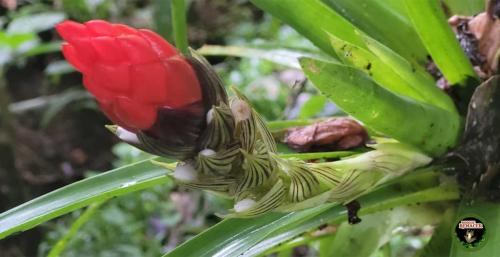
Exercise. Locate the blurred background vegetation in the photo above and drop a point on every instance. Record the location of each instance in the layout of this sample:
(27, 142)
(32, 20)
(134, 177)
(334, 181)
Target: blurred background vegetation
(52, 134)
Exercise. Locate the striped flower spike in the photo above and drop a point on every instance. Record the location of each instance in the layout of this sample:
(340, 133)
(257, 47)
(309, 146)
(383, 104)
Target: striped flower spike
(175, 106)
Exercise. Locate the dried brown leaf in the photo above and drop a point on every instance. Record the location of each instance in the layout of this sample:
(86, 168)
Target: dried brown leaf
(332, 134)
(9, 4)
(480, 38)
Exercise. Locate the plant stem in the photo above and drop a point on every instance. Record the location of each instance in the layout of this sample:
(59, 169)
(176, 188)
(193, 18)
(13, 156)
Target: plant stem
(84, 217)
(179, 25)
(320, 155)
(279, 125)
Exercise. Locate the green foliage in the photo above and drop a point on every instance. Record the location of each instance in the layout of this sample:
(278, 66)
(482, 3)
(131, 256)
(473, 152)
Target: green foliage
(257, 74)
(61, 102)
(431, 129)
(119, 181)
(138, 224)
(392, 71)
(35, 22)
(437, 36)
(19, 40)
(179, 26)
(314, 105)
(251, 237)
(264, 90)
(373, 66)
(14, 44)
(383, 46)
(285, 57)
(133, 225)
(415, 75)
(304, 19)
(278, 125)
(78, 9)
(162, 15)
(440, 243)
(319, 155)
(376, 230)
(464, 7)
(86, 215)
(386, 21)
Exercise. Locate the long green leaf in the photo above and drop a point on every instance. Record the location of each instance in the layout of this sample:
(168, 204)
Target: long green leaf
(232, 237)
(286, 57)
(440, 41)
(392, 71)
(360, 240)
(464, 7)
(431, 129)
(299, 240)
(162, 17)
(278, 125)
(250, 237)
(44, 48)
(313, 106)
(385, 21)
(382, 73)
(73, 230)
(319, 155)
(179, 25)
(337, 213)
(35, 22)
(440, 243)
(303, 16)
(376, 230)
(413, 74)
(119, 181)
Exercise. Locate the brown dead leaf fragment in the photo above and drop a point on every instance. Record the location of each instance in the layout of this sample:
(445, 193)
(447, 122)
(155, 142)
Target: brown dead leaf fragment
(9, 4)
(479, 36)
(331, 134)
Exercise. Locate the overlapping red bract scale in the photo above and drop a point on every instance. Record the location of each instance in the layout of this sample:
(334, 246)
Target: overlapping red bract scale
(131, 72)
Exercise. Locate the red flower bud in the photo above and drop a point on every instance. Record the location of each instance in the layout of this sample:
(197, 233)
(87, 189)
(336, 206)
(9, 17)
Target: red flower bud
(134, 74)
(159, 97)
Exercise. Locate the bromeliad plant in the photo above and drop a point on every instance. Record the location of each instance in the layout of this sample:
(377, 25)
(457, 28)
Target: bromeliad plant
(174, 105)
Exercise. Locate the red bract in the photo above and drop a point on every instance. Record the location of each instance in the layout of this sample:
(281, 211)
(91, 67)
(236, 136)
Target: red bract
(133, 73)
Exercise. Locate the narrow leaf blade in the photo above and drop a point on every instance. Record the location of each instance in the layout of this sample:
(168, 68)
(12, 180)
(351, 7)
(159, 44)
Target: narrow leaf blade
(232, 237)
(286, 57)
(369, 63)
(119, 181)
(464, 7)
(385, 21)
(431, 129)
(413, 74)
(440, 41)
(304, 20)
